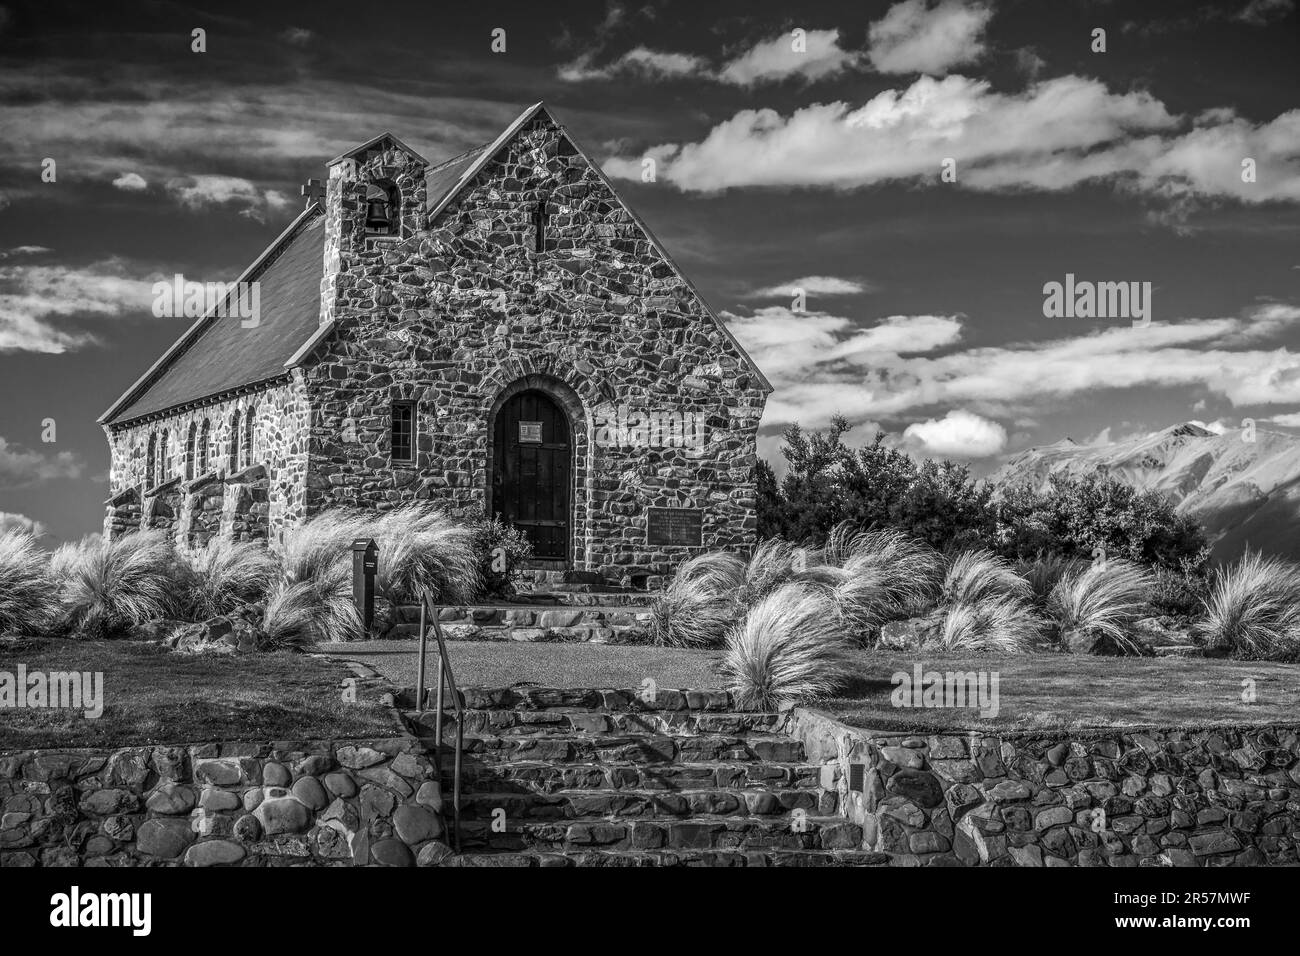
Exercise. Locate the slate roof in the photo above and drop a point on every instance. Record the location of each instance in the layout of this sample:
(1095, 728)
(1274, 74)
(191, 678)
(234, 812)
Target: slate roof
(441, 180)
(218, 354)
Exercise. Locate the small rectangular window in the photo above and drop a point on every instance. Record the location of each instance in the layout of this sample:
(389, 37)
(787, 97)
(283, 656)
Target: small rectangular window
(403, 431)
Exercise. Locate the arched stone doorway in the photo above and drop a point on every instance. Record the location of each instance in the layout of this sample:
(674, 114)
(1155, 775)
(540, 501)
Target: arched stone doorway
(532, 476)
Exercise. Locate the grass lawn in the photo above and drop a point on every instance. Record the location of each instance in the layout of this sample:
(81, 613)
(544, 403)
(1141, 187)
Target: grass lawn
(154, 696)
(1061, 691)
(1035, 692)
(502, 663)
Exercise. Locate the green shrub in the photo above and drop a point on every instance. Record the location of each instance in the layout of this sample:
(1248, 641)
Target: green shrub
(26, 590)
(1079, 515)
(502, 551)
(1252, 611)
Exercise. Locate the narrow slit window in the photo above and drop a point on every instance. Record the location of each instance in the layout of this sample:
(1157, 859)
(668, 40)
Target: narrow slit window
(234, 442)
(539, 226)
(403, 431)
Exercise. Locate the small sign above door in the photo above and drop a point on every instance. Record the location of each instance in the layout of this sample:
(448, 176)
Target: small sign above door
(530, 432)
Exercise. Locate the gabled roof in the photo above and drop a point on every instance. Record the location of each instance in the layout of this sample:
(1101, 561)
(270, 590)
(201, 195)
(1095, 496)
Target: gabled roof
(465, 167)
(216, 354)
(373, 142)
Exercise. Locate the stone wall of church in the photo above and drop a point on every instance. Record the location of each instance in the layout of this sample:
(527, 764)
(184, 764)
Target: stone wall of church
(451, 316)
(189, 502)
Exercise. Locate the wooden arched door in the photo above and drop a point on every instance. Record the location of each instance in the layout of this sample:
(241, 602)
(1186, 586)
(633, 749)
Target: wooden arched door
(531, 472)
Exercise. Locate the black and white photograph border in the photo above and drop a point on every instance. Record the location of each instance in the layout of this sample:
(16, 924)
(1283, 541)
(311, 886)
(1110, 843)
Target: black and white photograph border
(851, 436)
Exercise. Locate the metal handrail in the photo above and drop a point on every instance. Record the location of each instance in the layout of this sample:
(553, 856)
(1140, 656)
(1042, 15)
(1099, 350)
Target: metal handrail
(428, 613)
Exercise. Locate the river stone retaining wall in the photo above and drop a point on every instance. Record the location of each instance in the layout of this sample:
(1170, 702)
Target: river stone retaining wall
(344, 802)
(1218, 797)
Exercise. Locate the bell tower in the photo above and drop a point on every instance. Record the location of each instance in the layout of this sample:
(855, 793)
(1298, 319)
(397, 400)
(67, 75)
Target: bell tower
(374, 196)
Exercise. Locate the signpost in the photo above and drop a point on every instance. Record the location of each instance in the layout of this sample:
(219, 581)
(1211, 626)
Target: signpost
(365, 562)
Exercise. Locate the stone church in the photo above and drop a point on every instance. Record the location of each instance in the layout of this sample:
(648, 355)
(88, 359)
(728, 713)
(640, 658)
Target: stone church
(496, 331)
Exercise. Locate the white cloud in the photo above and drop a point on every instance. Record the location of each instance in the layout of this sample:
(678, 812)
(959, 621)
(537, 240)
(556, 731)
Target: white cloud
(24, 251)
(1218, 427)
(812, 285)
(20, 467)
(10, 521)
(131, 182)
(823, 365)
(959, 434)
(199, 192)
(1052, 136)
(297, 36)
(777, 59)
(32, 295)
(920, 37)
(768, 61)
(1258, 13)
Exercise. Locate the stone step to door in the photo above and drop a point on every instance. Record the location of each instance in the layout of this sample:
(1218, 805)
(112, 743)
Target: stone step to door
(544, 777)
(594, 623)
(674, 858)
(531, 635)
(699, 832)
(657, 804)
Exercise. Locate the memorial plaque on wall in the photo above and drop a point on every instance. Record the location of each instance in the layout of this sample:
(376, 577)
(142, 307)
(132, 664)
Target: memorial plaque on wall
(675, 526)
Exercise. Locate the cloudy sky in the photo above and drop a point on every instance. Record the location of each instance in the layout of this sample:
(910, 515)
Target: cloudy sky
(920, 170)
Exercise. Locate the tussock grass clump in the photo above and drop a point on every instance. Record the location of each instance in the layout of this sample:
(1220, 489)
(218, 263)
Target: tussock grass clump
(1045, 569)
(1103, 599)
(107, 587)
(26, 598)
(788, 647)
(317, 610)
(422, 550)
(225, 575)
(1252, 611)
(698, 605)
(878, 575)
(984, 605)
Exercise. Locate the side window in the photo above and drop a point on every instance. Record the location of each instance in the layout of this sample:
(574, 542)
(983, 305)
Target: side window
(205, 435)
(403, 431)
(234, 442)
(250, 424)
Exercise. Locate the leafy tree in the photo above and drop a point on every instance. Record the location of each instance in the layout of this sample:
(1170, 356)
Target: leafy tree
(874, 486)
(1075, 515)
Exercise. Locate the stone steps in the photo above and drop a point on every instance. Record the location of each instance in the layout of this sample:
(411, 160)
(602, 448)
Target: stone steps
(656, 858)
(544, 777)
(643, 803)
(597, 777)
(697, 832)
(579, 720)
(633, 748)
